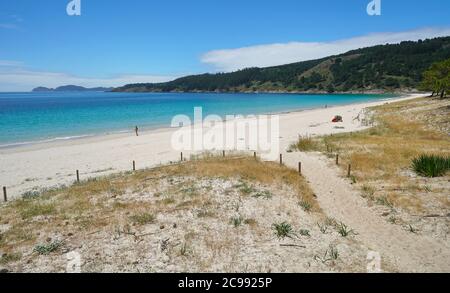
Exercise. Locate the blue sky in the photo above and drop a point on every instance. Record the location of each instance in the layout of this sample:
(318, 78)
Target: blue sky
(117, 41)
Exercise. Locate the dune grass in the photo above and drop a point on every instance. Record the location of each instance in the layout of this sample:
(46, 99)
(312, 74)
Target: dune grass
(381, 156)
(304, 144)
(142, 218)
(102, 202)
(431, 165)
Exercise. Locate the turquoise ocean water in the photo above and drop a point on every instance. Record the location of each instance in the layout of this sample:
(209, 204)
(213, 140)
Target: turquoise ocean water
(36, 117)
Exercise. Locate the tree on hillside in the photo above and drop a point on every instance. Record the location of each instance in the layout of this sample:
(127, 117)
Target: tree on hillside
(437, 78)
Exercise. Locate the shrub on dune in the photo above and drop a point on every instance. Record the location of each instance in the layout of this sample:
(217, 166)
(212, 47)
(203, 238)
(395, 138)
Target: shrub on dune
(431, 165)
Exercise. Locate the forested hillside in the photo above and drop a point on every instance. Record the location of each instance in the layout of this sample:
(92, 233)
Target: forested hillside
(385, 67)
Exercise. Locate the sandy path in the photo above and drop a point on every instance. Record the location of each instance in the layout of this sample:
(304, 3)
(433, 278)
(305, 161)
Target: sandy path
(409, 252)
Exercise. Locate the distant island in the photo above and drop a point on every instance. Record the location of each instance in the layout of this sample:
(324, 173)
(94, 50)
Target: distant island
(71, 88)
(383, 68)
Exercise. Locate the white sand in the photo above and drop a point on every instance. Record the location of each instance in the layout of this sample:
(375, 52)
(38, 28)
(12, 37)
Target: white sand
(339, 199)
(50, 164)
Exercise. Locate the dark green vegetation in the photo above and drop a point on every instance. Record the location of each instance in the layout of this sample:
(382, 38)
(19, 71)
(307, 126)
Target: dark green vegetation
(431, 165)
(437, 78)
(384, 67)
(48, 248)
(283, 230)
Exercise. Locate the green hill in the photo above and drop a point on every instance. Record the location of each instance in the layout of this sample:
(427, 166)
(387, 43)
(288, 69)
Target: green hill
(386, 67)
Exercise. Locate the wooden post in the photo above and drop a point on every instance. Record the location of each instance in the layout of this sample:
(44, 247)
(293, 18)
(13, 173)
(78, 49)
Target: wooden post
(254, 155)
(181, 156)
(337, 159)
(78, 176)
(281, 159)
(300, 168)
(134, 166)
(5, 196)
(223, 154)
(349, 170)
(328, 148)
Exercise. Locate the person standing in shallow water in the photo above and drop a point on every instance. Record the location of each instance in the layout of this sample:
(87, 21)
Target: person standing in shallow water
(136, 129)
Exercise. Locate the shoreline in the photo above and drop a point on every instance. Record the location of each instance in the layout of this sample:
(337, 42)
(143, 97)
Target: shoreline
(36, 167)
(93, 137)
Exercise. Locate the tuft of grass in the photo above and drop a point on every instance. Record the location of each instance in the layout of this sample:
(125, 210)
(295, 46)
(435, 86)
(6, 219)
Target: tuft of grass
(250, 222)
(427, 188)
(237, 221)
(305, 232)
(305, 205)
(367, 191)
(42, 192)
(393, 220)
(31, 194)
(431, 165)
(330, 222)
(245, 189)
(344, 230)
(143, 218)
(412, 229)
(323, 228)
(168, 201)
(283, 230)
(383, 200)
(263, 194)
(10, 257)
(331, 254)
(30, 209)
(45, 249)
(190, 191)
(303, 144)
(184, 250)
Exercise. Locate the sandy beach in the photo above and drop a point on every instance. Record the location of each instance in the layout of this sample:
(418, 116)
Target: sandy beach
(38, 166)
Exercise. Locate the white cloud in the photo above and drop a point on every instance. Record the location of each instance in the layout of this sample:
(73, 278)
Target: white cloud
(285, 53)
(10, 63)
(19, 79)
(8, 26)
(11, 22)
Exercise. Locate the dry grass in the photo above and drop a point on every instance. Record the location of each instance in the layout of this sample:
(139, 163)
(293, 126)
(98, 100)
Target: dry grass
(248, 169)
(381, 156)
(124, 203)
(304, 144)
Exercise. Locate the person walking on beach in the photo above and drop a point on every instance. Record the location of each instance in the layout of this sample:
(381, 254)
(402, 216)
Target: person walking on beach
(136, 129)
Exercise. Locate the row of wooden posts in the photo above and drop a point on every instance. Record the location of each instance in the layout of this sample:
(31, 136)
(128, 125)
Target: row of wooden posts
(5, 195)
(349, 167)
